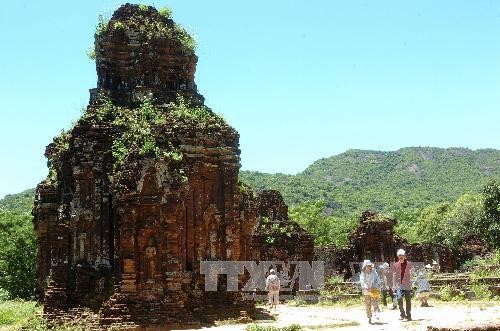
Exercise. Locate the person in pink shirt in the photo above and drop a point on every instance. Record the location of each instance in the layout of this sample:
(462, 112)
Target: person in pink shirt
(401, 274)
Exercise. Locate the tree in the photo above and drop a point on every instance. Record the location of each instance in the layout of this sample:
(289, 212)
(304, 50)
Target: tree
(490, 222)
(325, 229)
(17, 254)
(429, 225)
(462, 220)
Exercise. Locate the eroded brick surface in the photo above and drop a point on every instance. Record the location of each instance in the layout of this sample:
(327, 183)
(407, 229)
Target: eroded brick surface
(374, 239)
(126, 239)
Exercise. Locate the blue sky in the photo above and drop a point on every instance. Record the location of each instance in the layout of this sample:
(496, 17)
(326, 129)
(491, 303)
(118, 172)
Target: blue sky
(299, 80)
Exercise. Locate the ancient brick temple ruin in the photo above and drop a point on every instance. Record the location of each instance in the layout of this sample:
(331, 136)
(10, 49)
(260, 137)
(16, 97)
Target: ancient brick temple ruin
(276, 236)
(374, 239)
(143, 187)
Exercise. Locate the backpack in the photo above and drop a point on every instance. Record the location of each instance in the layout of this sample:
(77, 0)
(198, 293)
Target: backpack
(274, 284)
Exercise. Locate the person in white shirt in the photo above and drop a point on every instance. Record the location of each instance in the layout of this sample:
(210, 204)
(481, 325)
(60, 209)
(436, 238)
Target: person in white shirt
(273, 288)
(423, 288)
(370, 285)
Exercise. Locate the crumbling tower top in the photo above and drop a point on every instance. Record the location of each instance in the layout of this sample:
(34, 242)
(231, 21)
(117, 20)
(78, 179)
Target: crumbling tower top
(142, 52)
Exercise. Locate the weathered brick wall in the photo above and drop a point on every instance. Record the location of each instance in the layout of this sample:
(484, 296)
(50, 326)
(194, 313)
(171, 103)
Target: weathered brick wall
(277, 238)
(374, 239)
(129, 238)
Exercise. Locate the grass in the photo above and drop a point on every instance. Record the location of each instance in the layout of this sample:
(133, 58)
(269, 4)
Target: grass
(485, 267)
(329, 326)
(481, 304)
(297, 303)
(26, 315)
(17, 313)
(256, 327)
(342, 303)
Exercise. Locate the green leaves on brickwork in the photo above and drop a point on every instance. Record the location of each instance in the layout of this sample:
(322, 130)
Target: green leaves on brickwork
(272, 230)
(102, 25)
(143, 7)
(119, 26)
(91, 53)
(55, 152)
(245, 189)
(142, 130)
(197, 117)
(135, 127)
(151, 27)
(165, 12)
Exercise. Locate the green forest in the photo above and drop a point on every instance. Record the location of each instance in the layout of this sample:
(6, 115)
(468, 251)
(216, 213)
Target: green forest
(436, 195)
(357, 180)
(17, 246)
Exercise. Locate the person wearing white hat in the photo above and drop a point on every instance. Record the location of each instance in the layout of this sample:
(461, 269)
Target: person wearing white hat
(370, 285)
(423, 288)
(273, 286)
(386, 285)
(401, 274)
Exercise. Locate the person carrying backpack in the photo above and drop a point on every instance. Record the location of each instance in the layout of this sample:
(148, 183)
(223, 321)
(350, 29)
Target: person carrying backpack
(273, 288)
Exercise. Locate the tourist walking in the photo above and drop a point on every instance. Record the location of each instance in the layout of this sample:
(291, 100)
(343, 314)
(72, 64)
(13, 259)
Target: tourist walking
(370, 285)
(401, 273)
(423, 288)
(386, 285)
(273, 288)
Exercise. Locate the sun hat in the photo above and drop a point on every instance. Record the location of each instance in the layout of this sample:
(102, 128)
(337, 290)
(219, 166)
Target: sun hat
(367, 263)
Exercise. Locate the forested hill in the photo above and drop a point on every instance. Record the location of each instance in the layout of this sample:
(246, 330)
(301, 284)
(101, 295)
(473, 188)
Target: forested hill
(412, 177)
(20, 203)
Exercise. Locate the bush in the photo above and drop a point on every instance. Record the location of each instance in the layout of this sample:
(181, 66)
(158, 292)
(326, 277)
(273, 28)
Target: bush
(335, 280)
(19, 313)
(450, 293)
(325, 229)
(481, 291)
(489, 223)
(444, 223)
(165, 12)
(102, 26)
(17, 255)
(119, 26)
(482, 267)
(91, 53)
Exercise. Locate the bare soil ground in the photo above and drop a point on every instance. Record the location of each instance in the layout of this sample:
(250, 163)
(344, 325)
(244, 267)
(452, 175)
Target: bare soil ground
(440, 314)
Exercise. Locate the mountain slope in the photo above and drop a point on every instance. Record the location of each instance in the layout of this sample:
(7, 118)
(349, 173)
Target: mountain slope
(19, 203)
(357, 180)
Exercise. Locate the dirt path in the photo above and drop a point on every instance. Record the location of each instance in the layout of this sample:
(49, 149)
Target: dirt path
(314, 317)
